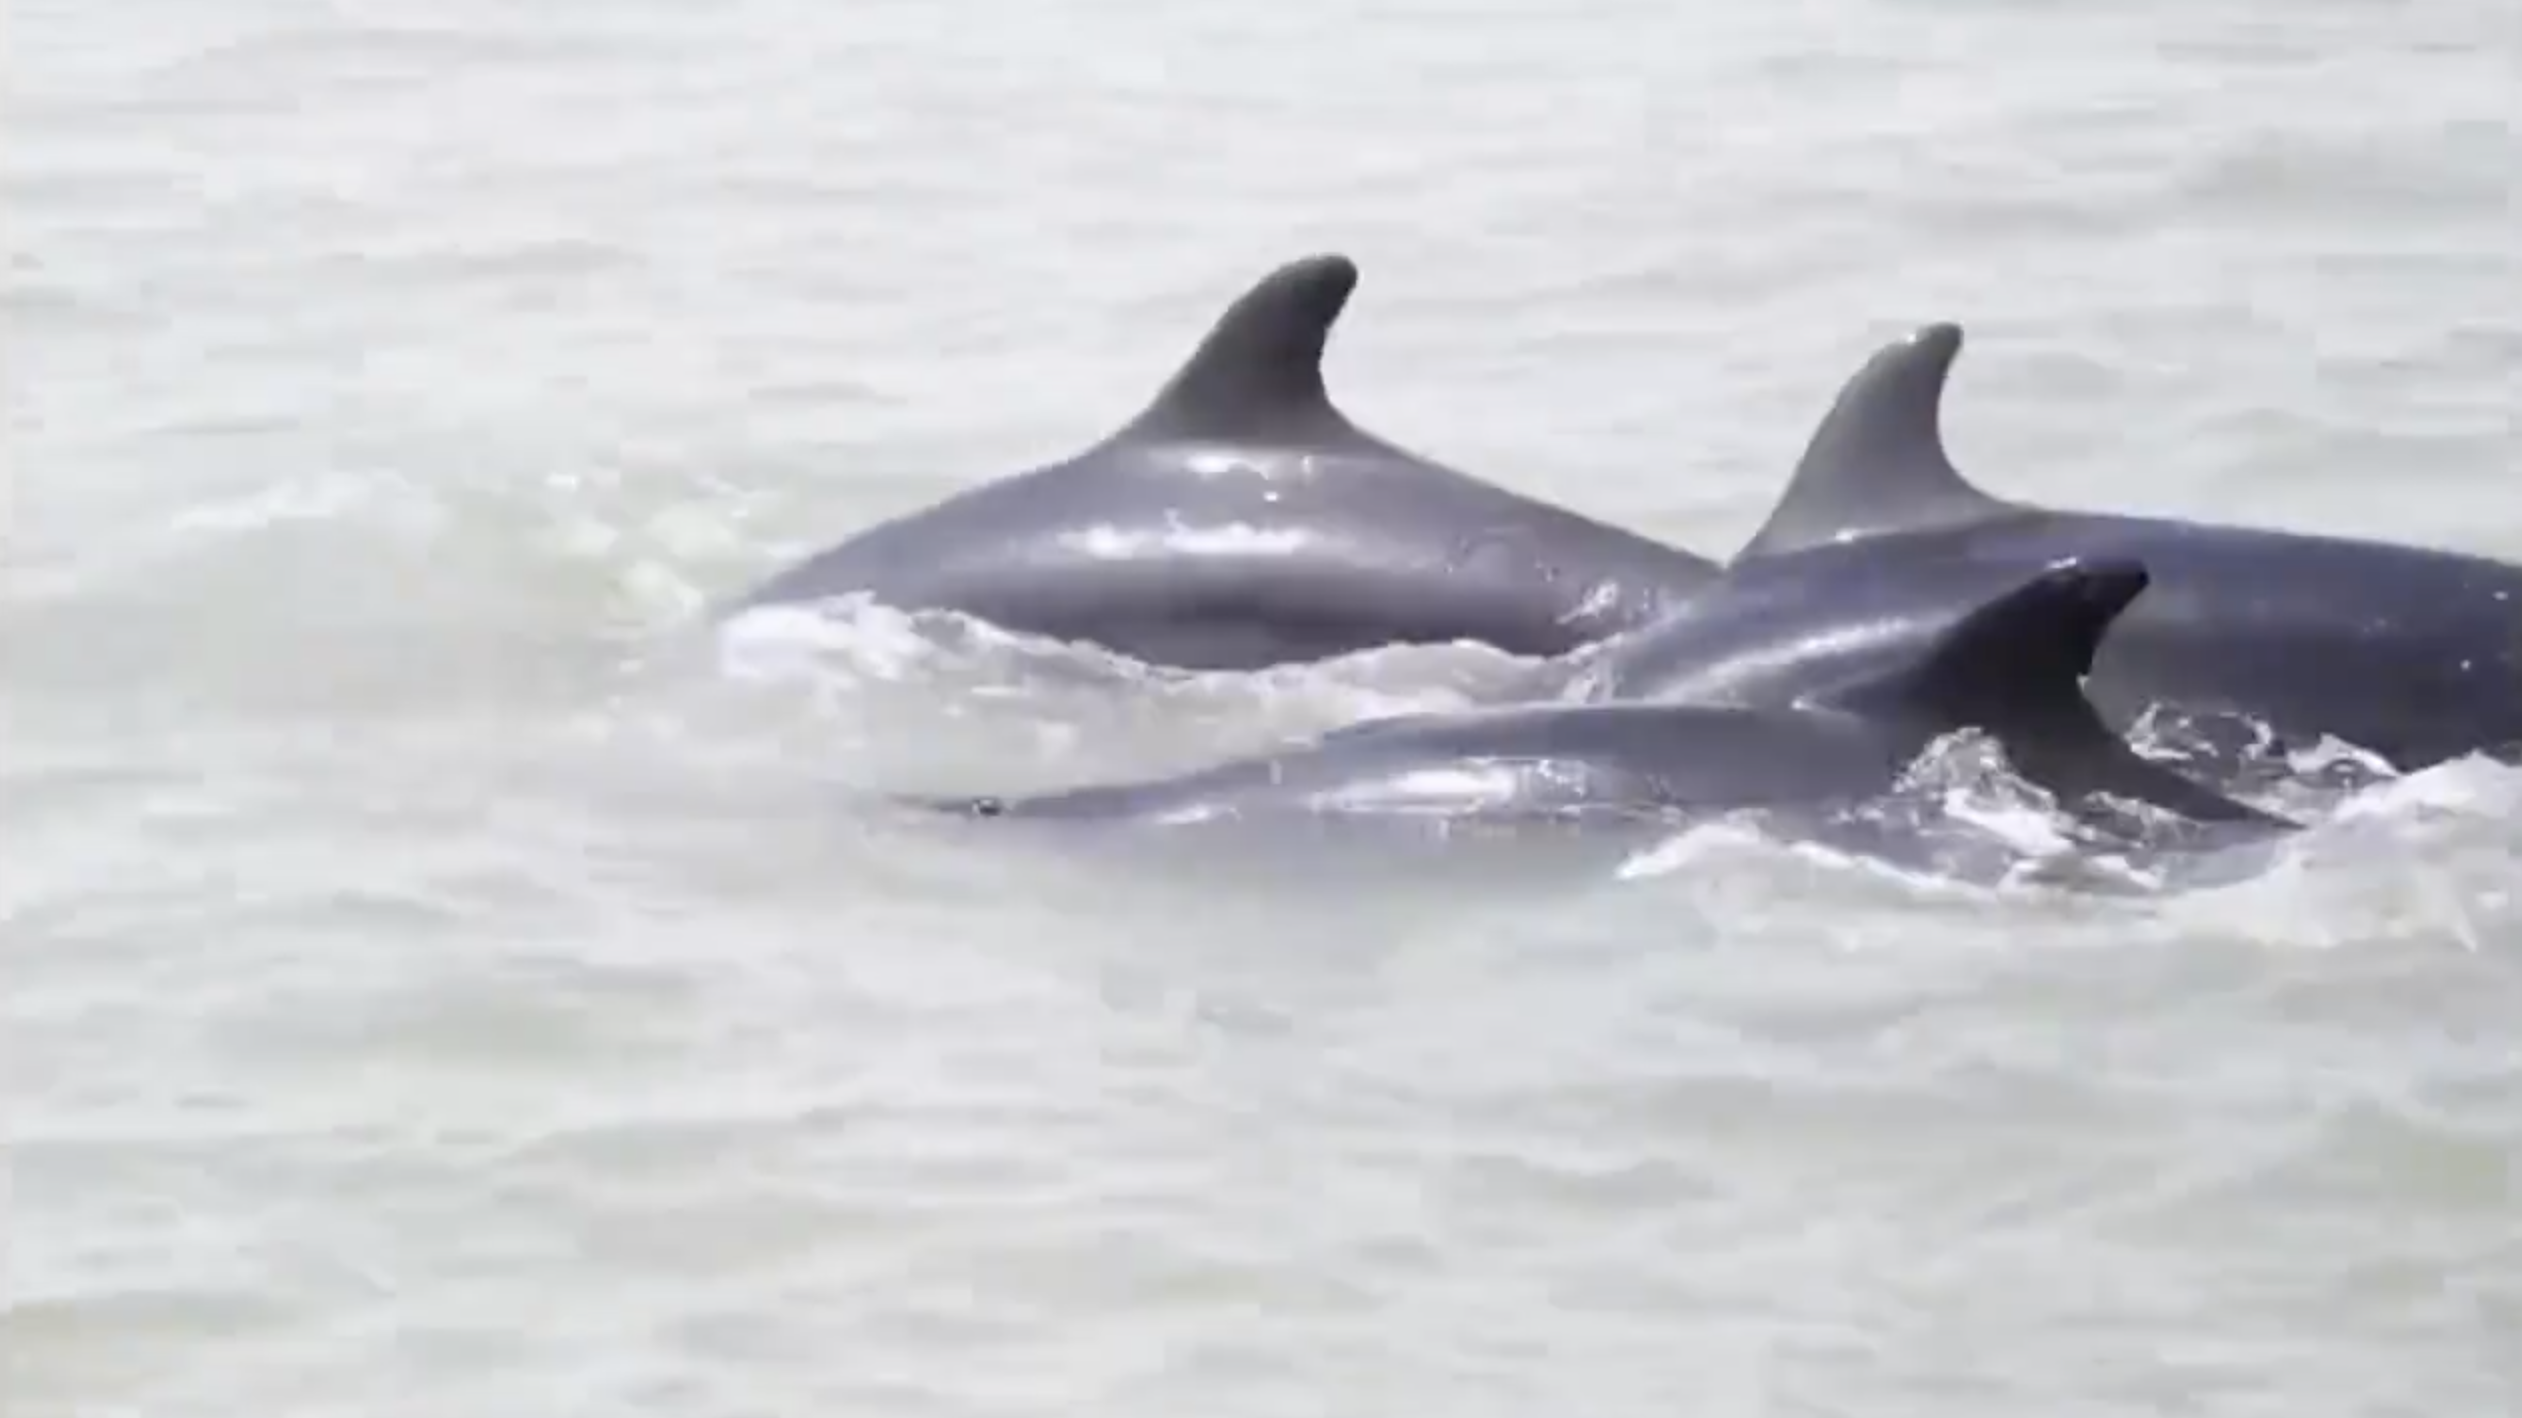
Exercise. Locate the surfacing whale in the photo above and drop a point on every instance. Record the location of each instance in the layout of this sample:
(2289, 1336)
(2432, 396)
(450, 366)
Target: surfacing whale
(2410, 653)
(1241, 520)
(2010, 668)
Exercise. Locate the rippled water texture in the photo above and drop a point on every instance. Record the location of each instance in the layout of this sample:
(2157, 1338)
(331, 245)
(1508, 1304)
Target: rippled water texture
(440, 981)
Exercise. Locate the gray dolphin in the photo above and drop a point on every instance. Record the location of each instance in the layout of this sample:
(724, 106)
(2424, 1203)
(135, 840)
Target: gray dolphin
(2010, 667)
(1241, 521)
(2411, 653)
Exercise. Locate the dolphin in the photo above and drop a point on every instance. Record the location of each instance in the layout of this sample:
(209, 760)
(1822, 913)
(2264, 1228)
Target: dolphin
(2410, 653)
(2010, 667)
(1241, 521)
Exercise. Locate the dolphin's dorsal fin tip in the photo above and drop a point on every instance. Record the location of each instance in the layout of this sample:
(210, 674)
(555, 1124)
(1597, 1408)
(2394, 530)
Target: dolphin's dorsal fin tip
(1877, 464)
(1259, 368)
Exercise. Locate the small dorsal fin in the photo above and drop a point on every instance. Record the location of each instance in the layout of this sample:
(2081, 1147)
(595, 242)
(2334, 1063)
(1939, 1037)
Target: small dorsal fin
(1877, 462)
(1259, 368)
(2014, 668)
(2021, 657)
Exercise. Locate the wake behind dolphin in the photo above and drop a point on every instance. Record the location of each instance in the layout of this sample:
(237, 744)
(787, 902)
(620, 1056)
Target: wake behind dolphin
(1241, 521)
(2411, 653)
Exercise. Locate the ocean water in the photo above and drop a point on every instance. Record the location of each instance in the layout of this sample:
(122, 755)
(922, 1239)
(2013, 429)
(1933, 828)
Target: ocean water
(437, 977)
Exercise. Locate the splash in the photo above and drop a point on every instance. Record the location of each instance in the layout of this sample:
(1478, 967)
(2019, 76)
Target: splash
(931, 696)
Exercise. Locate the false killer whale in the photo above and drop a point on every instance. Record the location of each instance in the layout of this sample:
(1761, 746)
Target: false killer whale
(2010, 667)
(2410, 653)
(1241, 520)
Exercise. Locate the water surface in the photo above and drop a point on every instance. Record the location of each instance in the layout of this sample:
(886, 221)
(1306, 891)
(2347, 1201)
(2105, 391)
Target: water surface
(438, 981)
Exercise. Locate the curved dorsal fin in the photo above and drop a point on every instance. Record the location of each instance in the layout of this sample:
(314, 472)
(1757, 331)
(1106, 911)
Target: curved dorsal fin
(2021, 656)
(1877, 462)
(2014, 668)
(1259, 368)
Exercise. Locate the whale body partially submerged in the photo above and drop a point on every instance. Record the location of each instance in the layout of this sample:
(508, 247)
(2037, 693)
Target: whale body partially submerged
(1242, 521)
(2010, 668)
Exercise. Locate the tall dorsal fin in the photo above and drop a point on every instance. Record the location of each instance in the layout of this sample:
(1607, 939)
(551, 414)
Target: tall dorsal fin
(1259, 368)
(1877, 462)
(2014, 668)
